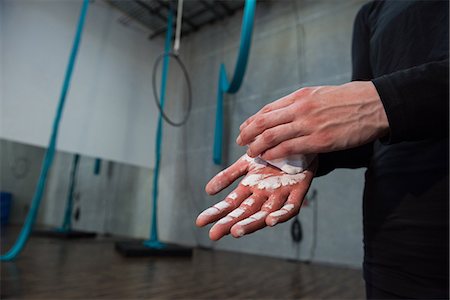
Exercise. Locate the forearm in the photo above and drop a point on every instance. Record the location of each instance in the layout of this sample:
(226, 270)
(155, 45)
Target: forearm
(416, 102)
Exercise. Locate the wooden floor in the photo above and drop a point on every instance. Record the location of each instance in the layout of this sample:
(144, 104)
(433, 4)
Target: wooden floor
(91, 269)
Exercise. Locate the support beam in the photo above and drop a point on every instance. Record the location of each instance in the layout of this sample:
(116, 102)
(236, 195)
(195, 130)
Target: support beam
(197, 13)
(161, 30)
(225, 7)
(212, 8)
(151, 10)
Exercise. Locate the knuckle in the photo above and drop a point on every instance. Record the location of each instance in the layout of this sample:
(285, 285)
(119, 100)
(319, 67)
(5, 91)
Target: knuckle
(266, 108)
(286, 149)
(243, 135)
(303, 91)
(305, 106)
(268, 137)
(295, 128)
(295, 211)
(260, 122)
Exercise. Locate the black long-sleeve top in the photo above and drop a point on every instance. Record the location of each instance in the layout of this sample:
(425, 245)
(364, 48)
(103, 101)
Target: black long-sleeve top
(402, 47)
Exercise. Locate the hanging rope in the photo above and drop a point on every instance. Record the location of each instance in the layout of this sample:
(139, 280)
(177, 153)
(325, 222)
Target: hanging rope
(176, 57)
(176, 45)
(67, 222)
(50, 153)
(154, 242)
(232, 87)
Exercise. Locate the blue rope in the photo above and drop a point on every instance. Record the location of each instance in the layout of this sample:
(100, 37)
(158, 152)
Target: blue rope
(224, 85)
(154, 242)
(67, 222)
(50, 153)
(97, 166)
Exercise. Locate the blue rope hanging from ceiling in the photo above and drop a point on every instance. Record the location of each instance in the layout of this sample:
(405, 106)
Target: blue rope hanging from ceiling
(232, 87)
(50, 153)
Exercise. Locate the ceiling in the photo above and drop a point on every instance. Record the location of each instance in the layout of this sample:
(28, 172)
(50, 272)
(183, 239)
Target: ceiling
(196, 13)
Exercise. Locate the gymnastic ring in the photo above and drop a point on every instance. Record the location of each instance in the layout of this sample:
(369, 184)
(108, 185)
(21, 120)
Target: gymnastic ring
(155, 91)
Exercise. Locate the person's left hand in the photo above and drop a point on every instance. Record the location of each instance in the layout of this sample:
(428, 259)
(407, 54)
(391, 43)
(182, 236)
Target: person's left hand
(266, 196)
(316, 120)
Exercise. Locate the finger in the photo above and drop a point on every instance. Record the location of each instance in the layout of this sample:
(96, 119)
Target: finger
(257, 221)
(263, 122)
(222, 208)
(248, 208)
(278, 104)
(227, 176)
(275, 202)
(272, 137)
(301, 145)
(290, 209)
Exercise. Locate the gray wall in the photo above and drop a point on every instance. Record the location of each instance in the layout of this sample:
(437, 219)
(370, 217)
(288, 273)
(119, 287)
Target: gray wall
(291, 48)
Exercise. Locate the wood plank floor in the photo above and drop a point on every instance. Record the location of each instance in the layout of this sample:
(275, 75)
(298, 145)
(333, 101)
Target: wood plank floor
(91, 269)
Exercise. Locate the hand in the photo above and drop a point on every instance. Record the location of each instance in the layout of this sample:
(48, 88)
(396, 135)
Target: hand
(266, 196)
(316, 120)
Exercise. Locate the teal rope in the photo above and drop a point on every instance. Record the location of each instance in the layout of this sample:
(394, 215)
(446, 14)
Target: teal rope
(67, 222)
(154, 242)
(50, 153)
(97, 166)
(224, 86)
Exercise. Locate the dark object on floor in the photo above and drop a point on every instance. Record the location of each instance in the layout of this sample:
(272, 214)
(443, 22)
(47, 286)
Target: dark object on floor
(72, 234)
(5, 207)
(138, 249)
(296, 231)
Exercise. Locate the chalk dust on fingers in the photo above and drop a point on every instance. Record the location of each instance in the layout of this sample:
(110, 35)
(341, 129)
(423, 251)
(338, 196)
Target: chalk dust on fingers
(240, 228)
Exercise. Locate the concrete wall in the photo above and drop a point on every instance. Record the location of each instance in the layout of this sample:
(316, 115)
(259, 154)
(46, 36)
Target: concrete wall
(293, 46)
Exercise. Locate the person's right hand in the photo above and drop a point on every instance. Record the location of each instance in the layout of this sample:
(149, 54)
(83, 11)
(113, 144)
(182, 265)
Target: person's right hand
(315, 120)
(265, 197)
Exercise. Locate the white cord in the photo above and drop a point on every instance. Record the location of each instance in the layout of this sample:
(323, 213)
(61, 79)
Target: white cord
(179, 25)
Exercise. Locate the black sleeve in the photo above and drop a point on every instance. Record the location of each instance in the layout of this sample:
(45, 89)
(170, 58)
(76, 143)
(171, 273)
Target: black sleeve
(416, 102)
(361, 70)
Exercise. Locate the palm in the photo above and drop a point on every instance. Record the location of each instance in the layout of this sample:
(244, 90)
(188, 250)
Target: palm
(265, 196)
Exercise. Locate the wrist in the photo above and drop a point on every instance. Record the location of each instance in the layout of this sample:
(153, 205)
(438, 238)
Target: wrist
(379, 116)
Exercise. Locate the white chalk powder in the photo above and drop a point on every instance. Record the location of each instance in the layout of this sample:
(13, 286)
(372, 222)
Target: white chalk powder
(233, 196)
(222, 205)
(272, 182)
(259, 215)
(278, 213)
(293, 164)
(246, 222)
(252, 179)
(225, 220)
(288, 207)
(255, 163)
(249, 202)
(236, 213)
(247, 158)
(268, 205)
(209, 212)
(253, 218)
(240, 232)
